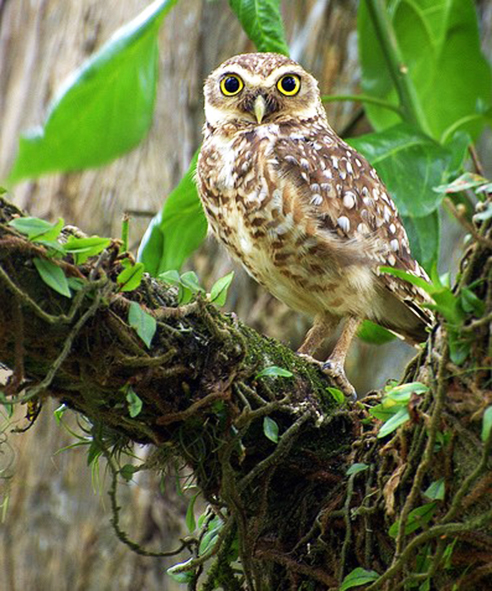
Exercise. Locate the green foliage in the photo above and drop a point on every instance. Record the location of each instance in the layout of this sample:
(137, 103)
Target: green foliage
(142, 322)
(187, 284)
(273, 371)
(104, 109)
(270, 429)
(393, 408)
(36, 229)
(218, 293)
(440, 46)
(53, 276)
(84, 248)
(357, 577)
(131, 276)
(263, 23)
(487, 423)
(372, 333)
(134, 402)
(436, 490)
(177, 230)
(417, 518)
(337, 395)
(356, 468)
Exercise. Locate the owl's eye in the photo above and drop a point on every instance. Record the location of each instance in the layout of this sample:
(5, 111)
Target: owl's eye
(289, 84)
(231, 85)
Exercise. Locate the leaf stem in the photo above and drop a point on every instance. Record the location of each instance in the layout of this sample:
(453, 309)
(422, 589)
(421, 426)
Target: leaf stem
(385, 33)
(362, 98)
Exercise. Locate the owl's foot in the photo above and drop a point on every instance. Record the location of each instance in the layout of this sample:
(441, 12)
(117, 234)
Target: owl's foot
(335, 371)
(337, 374)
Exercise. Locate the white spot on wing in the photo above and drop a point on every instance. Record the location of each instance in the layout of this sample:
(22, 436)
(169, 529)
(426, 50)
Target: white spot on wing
(344, 223)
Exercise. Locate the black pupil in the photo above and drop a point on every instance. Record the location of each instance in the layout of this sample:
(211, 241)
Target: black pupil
(289, 83)
(231, 84)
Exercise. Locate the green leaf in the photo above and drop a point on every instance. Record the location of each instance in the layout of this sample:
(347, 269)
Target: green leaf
(131, 277)
(270, 429)
(398, 419)
(262, 21)
(209, 539)
(468, 180)
(134, 402)
(36, 229)
(127, 471)
(472, 304)
(440, 47)
(190, 514)
(370, 332)
(84, 248)
(59, 412)
(402, 393)
(356, 468)
(142, 322)
(191, 281)
(53, 276)
(424, 236)
(218, 293)
(104, 109)
(436, 490)
(486, 423)
(177, 230)
(171, 277)
(359, 576)
(337, 395)
(416, 518)
(181, 577)
(274, 371)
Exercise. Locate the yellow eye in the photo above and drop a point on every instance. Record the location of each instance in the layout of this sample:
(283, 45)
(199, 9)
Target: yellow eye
(289, 84)
(231, 85)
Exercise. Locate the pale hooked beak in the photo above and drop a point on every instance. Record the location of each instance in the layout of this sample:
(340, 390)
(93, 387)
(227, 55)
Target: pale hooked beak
(259, 108)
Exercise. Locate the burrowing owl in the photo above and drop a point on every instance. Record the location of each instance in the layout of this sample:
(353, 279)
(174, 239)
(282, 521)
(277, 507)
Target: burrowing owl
(303, 211)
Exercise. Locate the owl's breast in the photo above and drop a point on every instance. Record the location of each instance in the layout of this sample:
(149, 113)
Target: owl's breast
(267, 226)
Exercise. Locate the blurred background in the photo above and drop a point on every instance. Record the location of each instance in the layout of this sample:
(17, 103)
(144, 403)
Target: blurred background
(55, 534)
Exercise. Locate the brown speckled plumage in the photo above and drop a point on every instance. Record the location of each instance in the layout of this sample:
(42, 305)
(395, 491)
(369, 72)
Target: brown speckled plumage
(304, 212)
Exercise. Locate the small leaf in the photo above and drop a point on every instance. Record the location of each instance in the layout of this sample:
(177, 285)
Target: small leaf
(59, 412)
(142, 322)
(274, 371)
(468, 180)
(436, 490)
(416, 518)
(356, 468)
(127, 471)
(83, 248)
(191, 281)
(134, 402)
(486, 423)
(37, 229)
(190, 514)
(209, 539)
(359, 576)
(270, 429)
(403, 393)
(398, 419)
(181, 577)
(170, 277)
(218, 293)
(53, 276)
(337, 394)
(131, 277)
(471, 303)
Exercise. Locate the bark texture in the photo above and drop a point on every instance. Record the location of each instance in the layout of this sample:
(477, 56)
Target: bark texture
(298, 520)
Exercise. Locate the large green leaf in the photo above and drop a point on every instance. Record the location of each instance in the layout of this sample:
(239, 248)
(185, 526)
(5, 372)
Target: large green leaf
(440, 46)
(262, 21)
(177, 230)
(104, 109)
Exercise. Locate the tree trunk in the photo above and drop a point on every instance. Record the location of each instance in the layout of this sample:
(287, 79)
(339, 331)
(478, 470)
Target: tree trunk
(299, 520)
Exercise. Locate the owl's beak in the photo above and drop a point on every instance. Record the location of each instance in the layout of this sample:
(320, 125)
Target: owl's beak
(259, 108)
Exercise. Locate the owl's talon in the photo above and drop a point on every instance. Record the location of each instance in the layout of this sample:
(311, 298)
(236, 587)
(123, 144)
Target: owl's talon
(336, 372)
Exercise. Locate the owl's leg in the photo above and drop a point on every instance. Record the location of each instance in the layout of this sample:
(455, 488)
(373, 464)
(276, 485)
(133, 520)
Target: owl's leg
(334, 366)
(322, 327)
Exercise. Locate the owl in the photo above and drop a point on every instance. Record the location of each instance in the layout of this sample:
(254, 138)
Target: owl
(305, 213)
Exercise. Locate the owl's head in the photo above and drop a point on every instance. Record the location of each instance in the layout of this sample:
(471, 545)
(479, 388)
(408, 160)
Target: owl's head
(259, 88)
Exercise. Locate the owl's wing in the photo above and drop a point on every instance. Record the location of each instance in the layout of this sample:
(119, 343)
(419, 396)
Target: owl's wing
(338, 189)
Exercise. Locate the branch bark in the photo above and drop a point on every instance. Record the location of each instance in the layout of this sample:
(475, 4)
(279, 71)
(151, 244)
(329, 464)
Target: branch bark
(297, 519)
